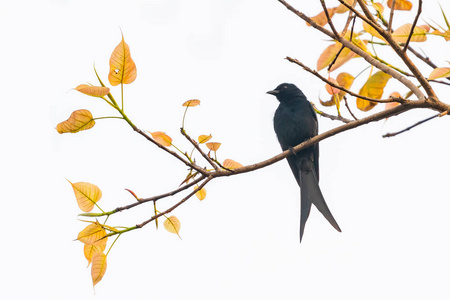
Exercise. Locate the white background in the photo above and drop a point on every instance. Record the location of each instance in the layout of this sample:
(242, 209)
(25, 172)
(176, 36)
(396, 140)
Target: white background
(390, 196)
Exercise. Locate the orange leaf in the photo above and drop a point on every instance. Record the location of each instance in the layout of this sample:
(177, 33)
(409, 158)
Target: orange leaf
(345, 80)
(400, 5)
(213, 146)
(162, 138)
(201, 194)
(172, 225)
(231, 164)
(79, 120)
(373, 88)
(94, 91)
(191, 103)
(204, 138)
(328, 55)
(392, 104)
(98, 267)
(122, 68)
(97, 247)
(328, 103)
(402, 33)
(330, 89)
(439, 73)
(425, 27)
(87, 194)
(445, 35)
(342, 8)
(321, 18)
(91, 234)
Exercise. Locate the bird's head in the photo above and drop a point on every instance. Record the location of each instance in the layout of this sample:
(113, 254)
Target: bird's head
(286, 92)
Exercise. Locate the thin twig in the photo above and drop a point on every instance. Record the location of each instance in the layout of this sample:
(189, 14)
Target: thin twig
(325, 9)
(419, 11)
(404, 57)
(391, 17)
(423, 58)
(417, 124)
(145, 200)
(196, 146)
(187, 163)
(306, 68)
(349, 19)
(348, 108)
(342, 47)
(170, 209)
(364, 54)
(331, 117)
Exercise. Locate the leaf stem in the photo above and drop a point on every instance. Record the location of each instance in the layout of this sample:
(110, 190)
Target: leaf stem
(113, 244)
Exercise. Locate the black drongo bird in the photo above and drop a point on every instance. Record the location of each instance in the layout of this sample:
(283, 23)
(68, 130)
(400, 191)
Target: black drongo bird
(295, 121)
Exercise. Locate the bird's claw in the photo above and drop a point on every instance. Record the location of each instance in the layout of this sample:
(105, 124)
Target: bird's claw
(291, 149)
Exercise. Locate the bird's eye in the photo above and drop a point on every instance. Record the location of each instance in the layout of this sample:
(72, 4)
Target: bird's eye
(285, 87)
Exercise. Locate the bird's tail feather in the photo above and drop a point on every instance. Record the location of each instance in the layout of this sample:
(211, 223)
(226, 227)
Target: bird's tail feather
(305, 208)
(311, 193)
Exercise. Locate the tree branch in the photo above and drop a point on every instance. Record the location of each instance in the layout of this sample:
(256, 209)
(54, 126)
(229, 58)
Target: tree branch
(331, 117)
(419, 11)
(391, 17)
(176, 155)
(417, 124)
(315, 73)
(361, 52)
(195, 144)
(403, 56)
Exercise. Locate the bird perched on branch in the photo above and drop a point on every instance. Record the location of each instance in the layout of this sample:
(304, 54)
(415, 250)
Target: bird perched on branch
(295, 121)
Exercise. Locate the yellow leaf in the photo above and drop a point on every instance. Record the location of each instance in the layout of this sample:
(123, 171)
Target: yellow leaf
(330, 89)
(122, 68)
(231, 164)
(204, 138)
(345, 80)
(162, 138)
(400, 4)
(402, 33)
(378, 7)
(439, 73)
(94, 91)
(370, 30)
(172, 225)
(201, 194)
(445, 35)
(321, 18)
(87, 194)
(191, 103)
(97, 247)
(79, 120)
(110, 228)
(91, 234)
(98, 267)
(213, 146)
(373, 88)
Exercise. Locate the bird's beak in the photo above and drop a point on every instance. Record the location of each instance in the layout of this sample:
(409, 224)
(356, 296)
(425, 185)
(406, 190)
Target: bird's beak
(274, 92)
